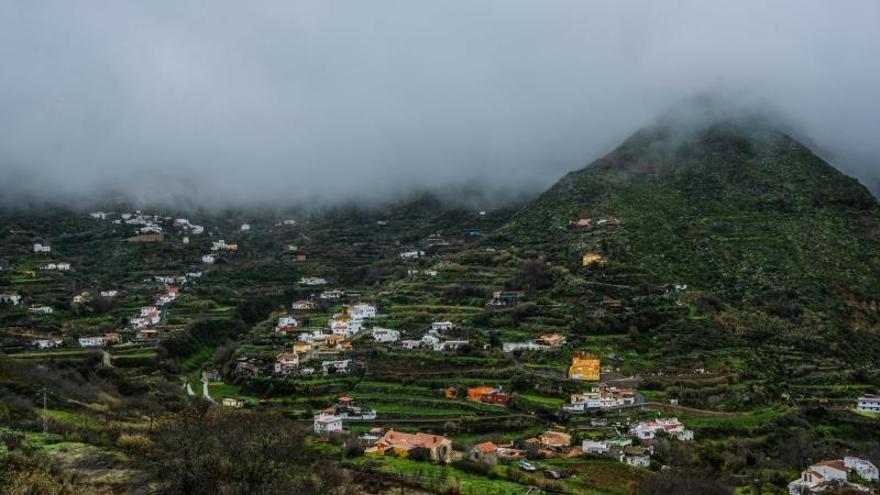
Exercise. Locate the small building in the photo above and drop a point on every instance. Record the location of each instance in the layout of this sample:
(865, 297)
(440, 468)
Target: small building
(311, 280)
(362, 311)
(109, 293)
(342, 366)
(41, 248)
(590, 259)
(869, 403)
(647, 430)
(10, 298)
(554, 439)
(585, 366)
(303, 305)
(245, 227)
(551, 339)
(331, 295)
(411, 255)
(637, 456)
(488, 395)
(485, 452)
(864, 468)
(385, 335)
(595, 447)
(437, 448)
(41, 310)
(327, 423)
(286, 363)
(91, 341)
(441, 326)
(825, 476)
(111, 338)
(43, 344)
(232, 402)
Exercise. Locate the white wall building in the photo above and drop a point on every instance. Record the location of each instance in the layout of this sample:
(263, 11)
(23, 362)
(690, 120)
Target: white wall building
(869, 403)
(385, 335)
(647, 430)
(91, 341)
(864, 468)
(40, 248)
(327, 423)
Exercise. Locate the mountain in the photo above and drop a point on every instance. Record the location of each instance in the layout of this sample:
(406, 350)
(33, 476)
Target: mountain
(736, 209)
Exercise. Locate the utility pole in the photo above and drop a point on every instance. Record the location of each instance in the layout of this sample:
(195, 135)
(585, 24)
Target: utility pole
(45, 414)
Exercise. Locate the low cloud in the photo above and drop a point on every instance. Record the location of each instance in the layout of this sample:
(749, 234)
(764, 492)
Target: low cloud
(293, 102)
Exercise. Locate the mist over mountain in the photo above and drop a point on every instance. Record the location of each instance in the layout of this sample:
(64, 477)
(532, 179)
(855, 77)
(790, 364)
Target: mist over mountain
(211, 104)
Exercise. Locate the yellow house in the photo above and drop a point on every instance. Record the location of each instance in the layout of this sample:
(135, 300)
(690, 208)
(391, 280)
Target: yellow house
(584, 366)
(593, 258)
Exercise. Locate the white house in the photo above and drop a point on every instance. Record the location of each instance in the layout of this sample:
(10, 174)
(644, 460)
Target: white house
(440, 326)
(411, 255)
(150, 229)
(361, 311)
(385, 335)
(864, 468)
(185, 240)
(520, 346)
(332, 294)
(109, 293)
(288, 222)
(312, 281)
(98, 215)
(91, 341)
(245, 227)
(410, 344)
(287, 321)
(824, 476)
(42, 310)
(209, 258)
(63, 266)
(340, 366)
(39, 248)
(647, 430)
(869, 403)
(10, 298)
(596, 447)
(303, 305)
(429, 339)
(450, 345)
(327, 423)
(47, 343)
(346, 326)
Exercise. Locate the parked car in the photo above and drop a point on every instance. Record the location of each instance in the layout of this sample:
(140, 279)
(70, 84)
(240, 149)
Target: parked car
(526, 466)
(554, 475)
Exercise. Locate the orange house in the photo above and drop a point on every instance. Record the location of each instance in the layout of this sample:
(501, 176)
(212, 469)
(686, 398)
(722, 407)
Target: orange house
(584, 366)
(590, 259)
(477, 393)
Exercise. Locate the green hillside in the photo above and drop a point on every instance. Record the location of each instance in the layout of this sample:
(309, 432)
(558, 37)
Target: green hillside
(745, 215)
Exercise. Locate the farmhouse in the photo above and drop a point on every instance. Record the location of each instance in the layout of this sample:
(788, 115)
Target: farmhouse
(438, 448)
(585, 366)
(869, 403)
(339, 367)
(647, 430)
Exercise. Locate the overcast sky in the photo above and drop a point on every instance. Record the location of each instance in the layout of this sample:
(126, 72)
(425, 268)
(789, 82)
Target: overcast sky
(289, 100)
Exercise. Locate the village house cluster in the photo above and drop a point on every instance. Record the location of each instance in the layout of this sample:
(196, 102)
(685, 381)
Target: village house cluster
(834, 476)
(603, 397)
(544, 342)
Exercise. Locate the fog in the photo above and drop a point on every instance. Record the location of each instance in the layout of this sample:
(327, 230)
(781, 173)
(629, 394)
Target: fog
(275, 102)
